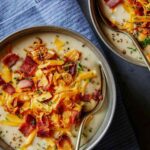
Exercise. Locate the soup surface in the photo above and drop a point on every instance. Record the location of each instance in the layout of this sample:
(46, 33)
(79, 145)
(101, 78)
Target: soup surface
(48, 82)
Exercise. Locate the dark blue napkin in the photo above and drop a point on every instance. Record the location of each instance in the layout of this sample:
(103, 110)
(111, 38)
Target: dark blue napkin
(18, 14)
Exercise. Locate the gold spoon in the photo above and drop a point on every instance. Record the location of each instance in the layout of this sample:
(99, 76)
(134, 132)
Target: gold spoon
(93, 111)
(134, 40)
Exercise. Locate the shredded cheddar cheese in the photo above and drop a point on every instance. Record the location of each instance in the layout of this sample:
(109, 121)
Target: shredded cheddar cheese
(45, 97)
(58, 43)
(29, 140)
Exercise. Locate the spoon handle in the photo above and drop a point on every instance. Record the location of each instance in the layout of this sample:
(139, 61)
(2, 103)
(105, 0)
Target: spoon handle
(80, 132)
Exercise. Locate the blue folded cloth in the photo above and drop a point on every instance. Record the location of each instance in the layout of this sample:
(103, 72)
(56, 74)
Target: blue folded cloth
(18, 14)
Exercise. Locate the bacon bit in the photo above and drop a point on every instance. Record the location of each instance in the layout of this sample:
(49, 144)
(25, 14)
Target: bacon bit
(85, 97)
(97, 95)
(74, 117)
(10, 59)
(55, 56)
(51, 54)
(64, 143)
(50, 80)
(2, 82)
(25, 83)
(28, 66)
(8, 88)
(60, 108)
(139, 9)
(43, 132)
(28, 126)
(17, 103)
(44, 129)
(50, 89)
(113, 3)
(72, 69)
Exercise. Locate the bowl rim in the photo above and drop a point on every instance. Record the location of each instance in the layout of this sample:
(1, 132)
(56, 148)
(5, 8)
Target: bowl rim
(112, 102)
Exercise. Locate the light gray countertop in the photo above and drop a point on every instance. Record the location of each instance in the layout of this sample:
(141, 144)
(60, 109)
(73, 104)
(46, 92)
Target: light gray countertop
(134, 82)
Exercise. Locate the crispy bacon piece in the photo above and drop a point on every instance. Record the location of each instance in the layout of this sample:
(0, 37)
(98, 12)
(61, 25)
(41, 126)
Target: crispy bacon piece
(85, 97)
(10, 59)
(72, 69)
(60, 108)
(74, 117)
(64, 143)
(113, 3)
(139, 9)
(8, 88)
(49, 86)
(44, 127)
(28, 126)
(97, 95)
(25, 83)
(2, 82)
(28, 66)
(17, 104)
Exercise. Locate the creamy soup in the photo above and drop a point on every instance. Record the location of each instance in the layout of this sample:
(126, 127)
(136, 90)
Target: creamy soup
(11, 117)
(124, 17)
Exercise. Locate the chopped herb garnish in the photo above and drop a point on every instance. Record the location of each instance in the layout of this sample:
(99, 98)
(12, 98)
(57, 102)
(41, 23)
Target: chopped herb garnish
(39, 144)
(83, 45)
(89, 80)
(6, 118)
(84, 135)
(133, 49)
(74, 135)
(39, 92)
(67, 42)
(86, 58)
(146, 42)
(90, 130)
(50, 103)
(33, 122)
(79, 67)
